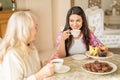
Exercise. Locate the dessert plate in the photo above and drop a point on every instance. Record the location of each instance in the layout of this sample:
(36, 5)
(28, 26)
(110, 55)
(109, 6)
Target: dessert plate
(114, 68)
(109, 55)
(63, 69)
(79, 56)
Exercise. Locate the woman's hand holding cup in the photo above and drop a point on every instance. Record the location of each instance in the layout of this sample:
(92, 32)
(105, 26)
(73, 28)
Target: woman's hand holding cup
(66, 34)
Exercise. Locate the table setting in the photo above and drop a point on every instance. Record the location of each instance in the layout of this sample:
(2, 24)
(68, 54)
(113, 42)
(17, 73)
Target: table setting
(75, 67)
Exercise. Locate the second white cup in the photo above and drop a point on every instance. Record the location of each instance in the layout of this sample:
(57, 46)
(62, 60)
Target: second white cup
(75, 32)
(58, 63)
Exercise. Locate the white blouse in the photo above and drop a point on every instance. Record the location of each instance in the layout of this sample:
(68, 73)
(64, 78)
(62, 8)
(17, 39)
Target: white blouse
(17, 67)
(77, 47)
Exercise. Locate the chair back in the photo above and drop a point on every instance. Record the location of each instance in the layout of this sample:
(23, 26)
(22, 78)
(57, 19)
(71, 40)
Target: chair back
(95, 18)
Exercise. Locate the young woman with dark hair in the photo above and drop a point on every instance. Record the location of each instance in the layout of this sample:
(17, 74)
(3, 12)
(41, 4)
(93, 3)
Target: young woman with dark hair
(67, 44)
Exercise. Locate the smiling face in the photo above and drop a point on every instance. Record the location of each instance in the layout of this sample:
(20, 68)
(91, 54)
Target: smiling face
(75, 21)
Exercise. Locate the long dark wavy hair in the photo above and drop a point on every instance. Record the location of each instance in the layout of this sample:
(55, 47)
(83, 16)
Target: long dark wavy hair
(84, 29)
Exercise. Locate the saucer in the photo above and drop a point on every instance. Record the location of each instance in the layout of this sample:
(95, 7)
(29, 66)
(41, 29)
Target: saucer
(63, 69)
(79, 57)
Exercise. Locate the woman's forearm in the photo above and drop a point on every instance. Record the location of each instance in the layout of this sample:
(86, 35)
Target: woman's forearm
(61, 51)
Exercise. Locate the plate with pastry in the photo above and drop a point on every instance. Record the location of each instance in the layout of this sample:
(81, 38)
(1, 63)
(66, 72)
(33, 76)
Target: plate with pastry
(99, 52)
(99, 67)
(100, 55)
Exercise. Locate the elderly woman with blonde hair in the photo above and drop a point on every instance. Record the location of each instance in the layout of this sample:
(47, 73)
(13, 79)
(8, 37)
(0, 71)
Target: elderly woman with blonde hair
(19, 58)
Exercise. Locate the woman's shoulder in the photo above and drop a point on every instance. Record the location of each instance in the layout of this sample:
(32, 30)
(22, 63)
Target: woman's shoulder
(12, 53)
(60, 32)
(91, 32)
(92, 35)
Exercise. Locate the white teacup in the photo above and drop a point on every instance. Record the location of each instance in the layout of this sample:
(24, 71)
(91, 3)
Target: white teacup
(75, 32)
(58, 63)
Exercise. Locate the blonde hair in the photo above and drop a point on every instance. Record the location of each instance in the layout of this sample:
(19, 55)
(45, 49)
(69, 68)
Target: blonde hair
(18, 32)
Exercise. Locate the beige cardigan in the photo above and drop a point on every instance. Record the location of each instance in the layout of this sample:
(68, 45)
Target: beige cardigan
(15, 67)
